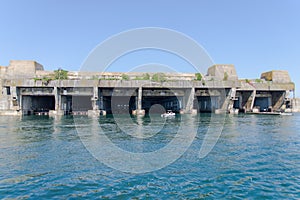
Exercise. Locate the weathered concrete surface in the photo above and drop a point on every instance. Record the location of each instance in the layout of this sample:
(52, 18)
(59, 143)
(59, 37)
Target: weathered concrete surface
(23, 68)
(296, 104)
(10, 112)
(121, 83)
(93, 90)
(276, 76)
(223, 72)
(250, 85)
(56, 113)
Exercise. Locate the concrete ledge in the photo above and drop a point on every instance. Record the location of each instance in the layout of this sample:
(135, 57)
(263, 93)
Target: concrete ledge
(10, 113)
(93, 113)
(221, 111)
(296, 105)
(56, 113)
(193, 112)
(138, 112)
(234, 111)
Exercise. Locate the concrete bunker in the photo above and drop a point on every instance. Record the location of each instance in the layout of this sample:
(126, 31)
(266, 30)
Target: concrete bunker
(207, 104)
(207, 101)
(75, 100)
(37, 105)
(167, 99)
(76, 104)
(263, 104)
(118, 100)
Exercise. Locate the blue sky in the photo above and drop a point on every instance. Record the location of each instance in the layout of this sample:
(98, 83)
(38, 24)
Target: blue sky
(255, 36)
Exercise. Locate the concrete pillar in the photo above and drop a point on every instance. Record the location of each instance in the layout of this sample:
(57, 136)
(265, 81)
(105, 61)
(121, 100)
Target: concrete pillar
(296, 105)
(139, 110)
(14, 98)
(57, 98)
(188, 102)
(253, 99)
(232, 100)
(140, 94)
(95, 112)
(222, 102)
(95, 98)
(278, 100)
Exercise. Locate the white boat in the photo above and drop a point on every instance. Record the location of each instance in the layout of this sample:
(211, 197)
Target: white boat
(169, 113)
(286, 113)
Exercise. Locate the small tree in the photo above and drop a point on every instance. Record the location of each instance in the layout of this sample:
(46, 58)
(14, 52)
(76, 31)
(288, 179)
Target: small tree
(143, 77)
(60, 74)
(125, 77)
(198, 76)
(159, 77)
(146, 76)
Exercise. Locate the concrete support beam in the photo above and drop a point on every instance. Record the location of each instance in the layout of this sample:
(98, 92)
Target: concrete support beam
(224, 100)
(233, 98)
(140, 96)
(55, 92)
(188, 102)
(139, 110)
(278, 100)
(296, 104)
(95, 99)
(57, 99)
(253, 99)
(14, 99)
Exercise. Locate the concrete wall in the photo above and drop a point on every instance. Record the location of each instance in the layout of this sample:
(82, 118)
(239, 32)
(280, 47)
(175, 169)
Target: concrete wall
(277, 76)
(23, 68)
(18, 76)
(296, 105)
(222, 72)
(3, 70)
(4, 99)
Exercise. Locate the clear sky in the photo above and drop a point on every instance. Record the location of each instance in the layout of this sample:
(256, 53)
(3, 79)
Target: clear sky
(254, 35)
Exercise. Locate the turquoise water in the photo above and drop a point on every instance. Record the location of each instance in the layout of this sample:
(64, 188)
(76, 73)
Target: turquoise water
(256, 157)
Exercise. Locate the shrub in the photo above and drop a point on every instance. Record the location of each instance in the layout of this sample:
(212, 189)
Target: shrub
(144, 77)
(159, 77)
(45, 80)
(60, 74)
(37, 79)
(125, 77)
(258, 80)
(225, 76)
(198, 76)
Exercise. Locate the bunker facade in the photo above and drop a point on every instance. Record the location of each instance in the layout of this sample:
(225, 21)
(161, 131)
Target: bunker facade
(26, 88)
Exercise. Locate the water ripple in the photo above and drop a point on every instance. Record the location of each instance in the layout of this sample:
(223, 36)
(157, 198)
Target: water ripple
(257, 157)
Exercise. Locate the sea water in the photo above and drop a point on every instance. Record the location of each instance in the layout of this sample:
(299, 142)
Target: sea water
(254, 157)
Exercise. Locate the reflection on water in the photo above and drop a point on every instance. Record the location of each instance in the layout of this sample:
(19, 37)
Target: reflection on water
(255, 157)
